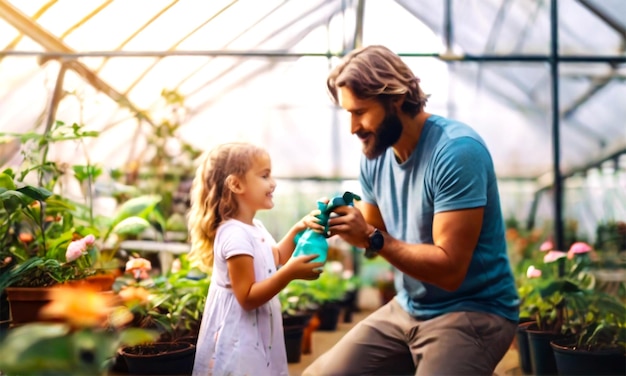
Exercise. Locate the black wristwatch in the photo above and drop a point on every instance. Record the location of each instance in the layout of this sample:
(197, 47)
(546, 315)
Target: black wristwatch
(377, 240)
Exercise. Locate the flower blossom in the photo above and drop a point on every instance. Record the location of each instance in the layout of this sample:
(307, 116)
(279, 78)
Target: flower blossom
(533, 272)
(546, 246)
(81, 307)
(26, 237)
(134, 295)
(78, 247)
(552, 256)
(138, 267)
(578, 248)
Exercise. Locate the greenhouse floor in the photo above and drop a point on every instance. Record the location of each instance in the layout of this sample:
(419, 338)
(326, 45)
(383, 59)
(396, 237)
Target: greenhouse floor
(368, 298)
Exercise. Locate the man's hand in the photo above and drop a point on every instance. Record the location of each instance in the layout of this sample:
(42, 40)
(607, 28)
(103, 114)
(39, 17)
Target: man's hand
(350, 225)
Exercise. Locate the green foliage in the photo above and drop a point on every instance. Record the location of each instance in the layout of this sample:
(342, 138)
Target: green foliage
(572, 305)
(57, 349)
(297, 297)
(176, 301)
(302, 296)
(36, 227)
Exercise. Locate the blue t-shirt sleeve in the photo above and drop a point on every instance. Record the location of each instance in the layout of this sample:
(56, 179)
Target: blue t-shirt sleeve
(460, 175)
(366, 179)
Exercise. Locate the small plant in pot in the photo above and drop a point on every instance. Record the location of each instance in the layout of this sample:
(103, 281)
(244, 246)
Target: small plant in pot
(298, 306)
(596, 333)
(329, 291)
(174, 308)
(548, 298)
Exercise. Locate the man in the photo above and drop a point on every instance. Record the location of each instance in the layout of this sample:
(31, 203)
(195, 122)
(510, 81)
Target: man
(431, 208)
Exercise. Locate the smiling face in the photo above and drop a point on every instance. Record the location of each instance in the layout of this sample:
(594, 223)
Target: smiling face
(258, 184)
(377, 128)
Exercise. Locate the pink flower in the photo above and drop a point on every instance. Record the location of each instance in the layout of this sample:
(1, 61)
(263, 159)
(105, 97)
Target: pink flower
(533, 272)
(78, 247)
(89, 239)
(552, 256)
(138, 267)
(546, 246)
(75, 250)
(578, 248)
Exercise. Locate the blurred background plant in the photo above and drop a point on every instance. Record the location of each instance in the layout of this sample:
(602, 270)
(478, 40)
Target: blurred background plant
(85, 330)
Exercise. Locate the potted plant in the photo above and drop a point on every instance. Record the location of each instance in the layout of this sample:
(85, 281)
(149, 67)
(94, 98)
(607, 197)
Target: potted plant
(596, 331)
(298, 307)
(39, 225)
(545, 299)
(41, 245)
(597, 344)
(566, 306)
(173, 308)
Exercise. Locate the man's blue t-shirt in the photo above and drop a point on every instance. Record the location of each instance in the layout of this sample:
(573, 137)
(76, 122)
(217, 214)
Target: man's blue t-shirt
(450, 169)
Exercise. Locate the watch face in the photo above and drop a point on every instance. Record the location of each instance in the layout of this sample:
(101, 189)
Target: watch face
(376, 241)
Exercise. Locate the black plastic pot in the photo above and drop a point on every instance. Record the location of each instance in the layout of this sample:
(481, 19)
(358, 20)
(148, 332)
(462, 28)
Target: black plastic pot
(521, 339)
(159, 358)
(541, 354)
(293, 328)
(573, 361)
(328, 314)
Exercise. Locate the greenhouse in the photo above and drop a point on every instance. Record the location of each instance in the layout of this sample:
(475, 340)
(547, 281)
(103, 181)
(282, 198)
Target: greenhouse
(106, 107)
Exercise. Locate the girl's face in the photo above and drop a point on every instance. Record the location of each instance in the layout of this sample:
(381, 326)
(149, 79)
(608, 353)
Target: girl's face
(259, 184)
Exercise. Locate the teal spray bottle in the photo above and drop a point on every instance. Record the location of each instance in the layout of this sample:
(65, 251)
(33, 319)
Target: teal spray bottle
(309, 242)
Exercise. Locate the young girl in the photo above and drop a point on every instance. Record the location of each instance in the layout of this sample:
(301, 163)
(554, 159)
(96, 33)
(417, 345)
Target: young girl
(241, 331)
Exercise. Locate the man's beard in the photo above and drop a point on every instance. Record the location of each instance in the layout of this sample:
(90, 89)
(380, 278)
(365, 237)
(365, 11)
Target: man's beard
(386, 135)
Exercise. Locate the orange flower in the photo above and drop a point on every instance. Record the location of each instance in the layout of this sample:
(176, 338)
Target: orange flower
(79, 306)
(25, 237)
(134, 295)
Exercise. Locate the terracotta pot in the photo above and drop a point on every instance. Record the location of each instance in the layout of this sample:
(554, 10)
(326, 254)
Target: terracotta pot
(25, 303)
(98, 282)
(307, 335)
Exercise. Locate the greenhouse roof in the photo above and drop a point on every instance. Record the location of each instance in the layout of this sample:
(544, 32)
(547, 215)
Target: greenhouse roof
(255, 70)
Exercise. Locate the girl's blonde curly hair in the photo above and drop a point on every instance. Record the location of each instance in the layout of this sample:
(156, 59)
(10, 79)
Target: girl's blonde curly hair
(212, 202)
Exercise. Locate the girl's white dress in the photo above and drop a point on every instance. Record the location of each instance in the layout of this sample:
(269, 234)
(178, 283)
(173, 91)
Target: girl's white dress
(233, 341)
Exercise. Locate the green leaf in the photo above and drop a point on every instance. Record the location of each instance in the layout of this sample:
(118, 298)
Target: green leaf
(82, 173)
(137, 206)
(131, 226)
(6, 181)
(137, 336)
(36, 193)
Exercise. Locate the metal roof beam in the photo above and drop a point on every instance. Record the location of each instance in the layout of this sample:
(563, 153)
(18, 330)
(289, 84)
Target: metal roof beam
(604, 17)
(51, 43)
(143, 74)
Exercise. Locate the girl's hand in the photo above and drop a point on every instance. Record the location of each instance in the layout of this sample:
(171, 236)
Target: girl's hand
(311, 221)
(301, 267)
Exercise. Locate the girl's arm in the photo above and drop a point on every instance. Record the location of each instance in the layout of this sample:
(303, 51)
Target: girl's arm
(252, 294)
(285, 247)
